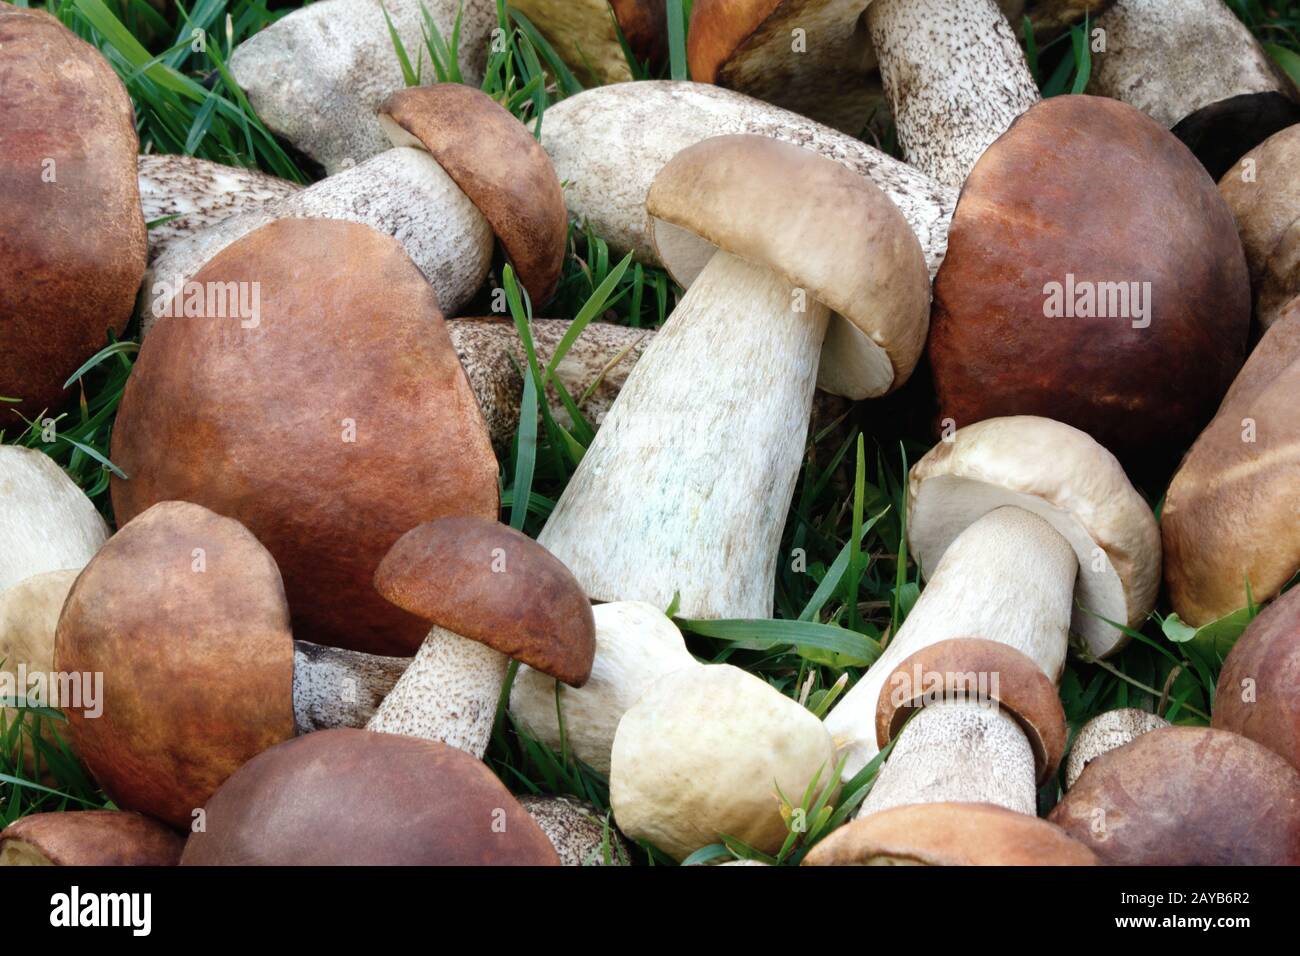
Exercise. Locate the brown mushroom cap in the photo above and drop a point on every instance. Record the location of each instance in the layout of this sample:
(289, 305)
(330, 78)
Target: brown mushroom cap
(89, 838)
(1267, 655)
(490, 583)
(1231, 512)
(949, 834)
(498, 164)
(338, 423)
(1059, 195)
(821, 227)
(1186, 796)
(72, 236)
(971, 666)
(358, 798)
(183, 613)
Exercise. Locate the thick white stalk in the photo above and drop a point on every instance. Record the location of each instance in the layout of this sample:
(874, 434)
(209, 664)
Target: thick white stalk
(686, 487)
(1009, 577)
(335, 687)
(955, 78)
(448, 693)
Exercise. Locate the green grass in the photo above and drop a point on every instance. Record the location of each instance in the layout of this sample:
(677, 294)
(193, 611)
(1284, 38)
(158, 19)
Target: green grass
(845, 582)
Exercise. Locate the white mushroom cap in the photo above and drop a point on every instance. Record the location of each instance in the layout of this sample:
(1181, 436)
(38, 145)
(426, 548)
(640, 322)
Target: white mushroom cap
(579, 832)
(1107, 732)
(703, 753)
(46, 522)
(1065, 477)
(636, 644)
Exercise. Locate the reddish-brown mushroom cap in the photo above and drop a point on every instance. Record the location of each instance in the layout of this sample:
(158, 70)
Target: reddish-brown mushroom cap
(184, 615)
(1187, 796)
(337, 422)
(72, 236)
(1081, 199)
(498, 164)
(949, 834)
(490, 583)
(358, 798)
(89, 838)
(1259, 687)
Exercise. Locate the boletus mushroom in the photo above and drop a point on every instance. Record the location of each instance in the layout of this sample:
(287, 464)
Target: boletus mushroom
(686, 487)
(1195, 68)
(89, 838)
(589, 34)
(329, 424)
(316, 75)
(1095, 324)
(1027, 531)
(1107, 732)
(356, 798)
(1186, 796)
(581, 835)
(182, 614)
(490, 593)
(72, 236)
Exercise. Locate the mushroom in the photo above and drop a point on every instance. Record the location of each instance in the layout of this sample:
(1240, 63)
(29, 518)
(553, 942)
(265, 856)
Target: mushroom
(193, 194)
(949, 834)
(1186, 796)
(169, 607)
(1256, 696)
(581, 835)
(46, 522)
(316, 75)
(1107, 732)
(608, 144)
(490, 593)
(1095, 324)
(636, 644)
(586, 34)
(686, 487)
(437, 193)
(1028, 531)
(1229, 520)
(708, 751)
(355, 798)
(88, 838)
(1195, 68)
(597, 362)
(73, 238)
(1263, 192)
(330, 426)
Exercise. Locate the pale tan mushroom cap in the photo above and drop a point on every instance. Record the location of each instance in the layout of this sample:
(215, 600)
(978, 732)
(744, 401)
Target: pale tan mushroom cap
(703, 752)
(822, 228)
(1066, 478)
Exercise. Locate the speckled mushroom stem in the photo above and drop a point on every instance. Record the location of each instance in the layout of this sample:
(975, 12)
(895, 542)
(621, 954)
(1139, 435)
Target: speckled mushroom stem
(448, 693)
(704, 504)
(955, 78)
(333, 687)
(1009, 577)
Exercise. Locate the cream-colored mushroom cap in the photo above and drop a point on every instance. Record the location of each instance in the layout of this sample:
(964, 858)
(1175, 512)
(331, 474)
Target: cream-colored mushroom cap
(1066, 478)
(829, 232)
(703, 753)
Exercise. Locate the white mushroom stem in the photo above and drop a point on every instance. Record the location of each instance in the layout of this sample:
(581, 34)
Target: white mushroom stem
(1008, 577)
(449, 693)
(333, 687)
(955, 77)
(686, 487)
(1107, 732)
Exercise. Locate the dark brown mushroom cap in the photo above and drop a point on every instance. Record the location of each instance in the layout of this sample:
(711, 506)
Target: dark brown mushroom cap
(498, 164)
(358, 798)
(1259, 687)
(1088, 187)
(645, 27)
(72, 236)
(197, 664)
(950, 834)
(336, 424)
(490, 583)
(969, 667)
(1187, 796)
(89, 838)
